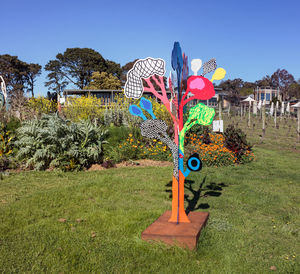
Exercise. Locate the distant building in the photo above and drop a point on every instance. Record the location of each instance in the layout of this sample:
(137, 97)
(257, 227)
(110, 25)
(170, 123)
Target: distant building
(266, 93)
(213, 102)
(108, 96)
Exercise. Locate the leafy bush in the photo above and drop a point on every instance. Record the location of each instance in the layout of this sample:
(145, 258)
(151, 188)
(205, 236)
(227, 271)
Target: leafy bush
(117, 135)
(108, 164)
(54, 142)
(13, 124)
(129, 149)
(135, 147)
(235, 140)
(4, 163)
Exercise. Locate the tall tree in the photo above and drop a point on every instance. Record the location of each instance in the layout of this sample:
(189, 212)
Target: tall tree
(233, 88)
(247, 89)
(13, 71)
(56, 78)
(282, 79)
(34, 70)
(19, 76)
(76, 66)
(294, 90)
(113, 68)
(125, 70)
(103, 80)
(264, 82)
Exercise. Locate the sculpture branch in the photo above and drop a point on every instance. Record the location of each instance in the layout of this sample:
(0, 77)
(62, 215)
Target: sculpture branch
(164, 99)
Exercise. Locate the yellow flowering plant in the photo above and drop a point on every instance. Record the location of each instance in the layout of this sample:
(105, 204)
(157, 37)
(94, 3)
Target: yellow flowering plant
(42, 105)
(83, 108)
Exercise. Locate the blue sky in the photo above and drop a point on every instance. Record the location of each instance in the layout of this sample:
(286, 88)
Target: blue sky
(250, 39)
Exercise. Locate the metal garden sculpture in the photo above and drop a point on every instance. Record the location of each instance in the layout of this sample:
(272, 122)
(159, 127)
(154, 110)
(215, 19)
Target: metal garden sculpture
(3, 94)
(188, 89)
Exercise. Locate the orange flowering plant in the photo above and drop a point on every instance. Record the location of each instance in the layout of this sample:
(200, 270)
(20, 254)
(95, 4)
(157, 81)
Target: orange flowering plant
(215, 153)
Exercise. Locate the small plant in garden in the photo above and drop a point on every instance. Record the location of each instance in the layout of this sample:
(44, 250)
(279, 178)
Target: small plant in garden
(156, 150)
(54, 142)
(206, 137)
(134, 147)
(235, 140)
(108, 164)
(6, 146)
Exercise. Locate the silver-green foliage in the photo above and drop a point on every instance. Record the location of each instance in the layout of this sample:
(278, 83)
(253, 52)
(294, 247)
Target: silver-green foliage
(119, 115)
(54, 142)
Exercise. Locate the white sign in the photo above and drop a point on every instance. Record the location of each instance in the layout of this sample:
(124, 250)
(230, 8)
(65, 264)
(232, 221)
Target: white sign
(62, 100)
(218, 125)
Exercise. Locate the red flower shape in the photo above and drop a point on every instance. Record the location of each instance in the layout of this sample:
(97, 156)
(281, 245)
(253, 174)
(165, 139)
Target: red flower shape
(201, 87)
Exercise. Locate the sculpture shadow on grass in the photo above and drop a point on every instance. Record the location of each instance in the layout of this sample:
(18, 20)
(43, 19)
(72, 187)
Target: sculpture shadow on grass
(195, 193)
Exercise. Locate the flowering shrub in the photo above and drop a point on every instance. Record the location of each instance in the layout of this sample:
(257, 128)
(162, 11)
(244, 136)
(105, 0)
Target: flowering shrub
(84, 108)
(134, 148)
(6, 146)
(215, 153)
(160, 112)
(156, 150)
(116, 113)
(42, 105)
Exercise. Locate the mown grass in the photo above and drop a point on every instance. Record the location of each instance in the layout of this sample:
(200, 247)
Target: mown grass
(254, 218)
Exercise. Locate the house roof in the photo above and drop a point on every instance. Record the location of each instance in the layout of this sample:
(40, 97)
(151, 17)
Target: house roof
(296, 105)
(248, 99)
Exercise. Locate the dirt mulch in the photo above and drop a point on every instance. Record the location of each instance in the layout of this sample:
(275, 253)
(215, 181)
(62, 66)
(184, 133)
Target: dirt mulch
(138, 163)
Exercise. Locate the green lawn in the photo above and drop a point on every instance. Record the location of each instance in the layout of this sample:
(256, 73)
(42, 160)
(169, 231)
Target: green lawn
(254, 218)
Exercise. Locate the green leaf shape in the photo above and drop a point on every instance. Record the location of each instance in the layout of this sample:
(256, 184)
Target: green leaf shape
(199, 114)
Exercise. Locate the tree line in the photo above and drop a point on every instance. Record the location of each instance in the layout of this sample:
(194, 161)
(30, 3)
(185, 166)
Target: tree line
(281, 79)
(86, 68)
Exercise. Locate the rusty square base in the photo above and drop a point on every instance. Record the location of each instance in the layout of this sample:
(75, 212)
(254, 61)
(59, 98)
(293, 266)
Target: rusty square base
(182, 234)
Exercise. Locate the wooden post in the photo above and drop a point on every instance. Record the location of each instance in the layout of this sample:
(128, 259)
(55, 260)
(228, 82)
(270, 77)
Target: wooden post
(249, 114)
(263, 110)
(58, 103)
(275, 114)
(220, 108)
(241, 112)
(298, 110)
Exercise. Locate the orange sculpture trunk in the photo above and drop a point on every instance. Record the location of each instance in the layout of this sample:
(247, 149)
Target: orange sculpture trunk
(178, 212)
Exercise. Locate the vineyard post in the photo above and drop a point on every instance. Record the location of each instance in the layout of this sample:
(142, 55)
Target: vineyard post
(249, 114)
(263, 111)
